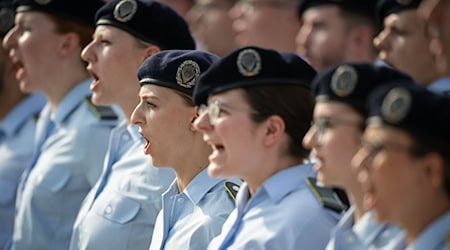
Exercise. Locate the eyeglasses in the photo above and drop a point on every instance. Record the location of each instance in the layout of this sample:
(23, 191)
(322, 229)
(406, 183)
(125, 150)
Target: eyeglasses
(216, 108)
(373, 149)
(322, 124)
(248, 6)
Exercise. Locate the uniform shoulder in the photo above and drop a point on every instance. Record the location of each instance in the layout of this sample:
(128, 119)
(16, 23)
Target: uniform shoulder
(232, 189)
(327, 197)
(104, 113)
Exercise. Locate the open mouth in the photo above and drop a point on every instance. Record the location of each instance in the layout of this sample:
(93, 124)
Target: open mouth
(96, 79)
(147, 144)
(19, 68)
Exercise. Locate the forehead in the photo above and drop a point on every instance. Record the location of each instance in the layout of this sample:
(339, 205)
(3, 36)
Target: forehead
(380, 133)
(322, 13)
(36, 17)
(230, 96)
(333, 109)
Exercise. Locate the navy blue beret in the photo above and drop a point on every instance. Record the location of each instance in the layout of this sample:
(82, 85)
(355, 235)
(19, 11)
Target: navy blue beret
(360, 7)
(149, 21)
(81, 11)
(412, 108)
(175, 69)
(253, 67)
(386, 7)
(351, 83)
(6, 16)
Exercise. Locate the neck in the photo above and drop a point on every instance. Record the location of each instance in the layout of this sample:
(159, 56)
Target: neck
(356, 197)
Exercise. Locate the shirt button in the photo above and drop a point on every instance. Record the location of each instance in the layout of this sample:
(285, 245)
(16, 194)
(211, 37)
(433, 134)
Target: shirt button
(125, 137)
(108, 209)
(350, 238)
(180, 200)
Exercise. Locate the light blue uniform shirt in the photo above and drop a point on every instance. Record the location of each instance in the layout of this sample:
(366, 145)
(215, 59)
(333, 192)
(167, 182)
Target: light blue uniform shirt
(441, 85)
(435, 237)
(191, 219)
(123, 214)
(366, 234)
(16, 135)
(282, 214)
(51, 192)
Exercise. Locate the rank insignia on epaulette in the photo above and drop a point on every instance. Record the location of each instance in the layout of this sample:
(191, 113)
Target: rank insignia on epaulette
(102, 112)
(231, 189)
(327, 197)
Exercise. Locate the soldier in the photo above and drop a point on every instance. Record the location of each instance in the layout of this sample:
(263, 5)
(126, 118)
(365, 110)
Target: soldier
(120, 211)
(339, 120)
(256, 107)
(333, 32)
(71, 134)
(195, 205)
(404, 162)
(18, 115)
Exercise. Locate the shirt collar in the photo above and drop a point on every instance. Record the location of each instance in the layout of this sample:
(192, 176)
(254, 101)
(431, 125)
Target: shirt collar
(71, 101)
(21, 112)
(200, 186)
(435, 233)
(441, 85)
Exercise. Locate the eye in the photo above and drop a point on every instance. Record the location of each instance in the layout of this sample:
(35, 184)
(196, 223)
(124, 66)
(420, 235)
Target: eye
(150, 105)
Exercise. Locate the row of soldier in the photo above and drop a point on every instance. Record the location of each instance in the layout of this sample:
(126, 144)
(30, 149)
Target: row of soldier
(144, 141)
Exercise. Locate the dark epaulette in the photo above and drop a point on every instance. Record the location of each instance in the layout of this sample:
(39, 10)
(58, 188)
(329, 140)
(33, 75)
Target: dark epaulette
(327, 197)
(232, 189)
(35, 117)
(101, 112)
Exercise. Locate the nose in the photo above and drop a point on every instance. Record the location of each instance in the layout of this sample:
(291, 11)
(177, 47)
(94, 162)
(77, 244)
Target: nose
(136, 116)
(86, 53)
(202, 123)
(10, 39)
(308, 140)
(359, 164)
(380, 41)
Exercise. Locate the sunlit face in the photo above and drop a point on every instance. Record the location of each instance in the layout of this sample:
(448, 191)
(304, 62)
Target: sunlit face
(334, 139)
(402, 41)
(438, 19)
(392, 178)
(323, 37)
(235, 139)
(212, 26)
(113, 57)
(164, 120)
(34, 50)
(266, 23)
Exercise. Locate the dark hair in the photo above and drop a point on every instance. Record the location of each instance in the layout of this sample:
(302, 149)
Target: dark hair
(187, 99)
(65, 26)
(294, 104)
(423, 145)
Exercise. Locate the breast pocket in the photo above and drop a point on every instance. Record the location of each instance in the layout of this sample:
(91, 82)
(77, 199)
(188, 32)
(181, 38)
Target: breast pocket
(54, 179)
(116, 207)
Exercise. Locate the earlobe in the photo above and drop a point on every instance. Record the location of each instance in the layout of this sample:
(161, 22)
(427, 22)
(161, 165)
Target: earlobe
(274, 130)
(434, 169)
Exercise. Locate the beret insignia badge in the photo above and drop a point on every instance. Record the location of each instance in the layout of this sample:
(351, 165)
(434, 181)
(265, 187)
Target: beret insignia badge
(344, 80)
(125, 10)
(249, 62)
(188, 73)
(396, 105)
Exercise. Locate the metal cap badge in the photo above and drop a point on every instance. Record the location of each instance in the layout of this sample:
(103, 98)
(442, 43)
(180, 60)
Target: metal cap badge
(188, 73)
(249, 62)
(344, 80)
(396, 105)
(125, 10)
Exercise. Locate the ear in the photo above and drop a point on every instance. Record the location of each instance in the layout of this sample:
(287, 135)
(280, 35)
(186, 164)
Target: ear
(152, 50)
(434, 169)
(195, 115)
(70, 43)
(274, 128)
(361, 38)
